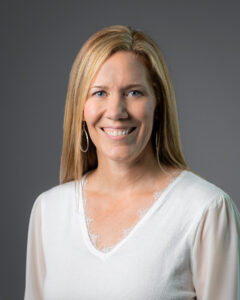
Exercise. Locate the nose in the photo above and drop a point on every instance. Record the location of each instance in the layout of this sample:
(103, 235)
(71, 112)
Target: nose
(116, 107)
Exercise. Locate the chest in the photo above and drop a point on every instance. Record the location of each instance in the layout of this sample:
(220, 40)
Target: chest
(152, 263)
(108, 224)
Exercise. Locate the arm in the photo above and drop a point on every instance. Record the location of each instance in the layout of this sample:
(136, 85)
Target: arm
(216, 252)
(35, 262)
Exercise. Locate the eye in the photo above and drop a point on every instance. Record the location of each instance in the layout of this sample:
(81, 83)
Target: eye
(136, 93)
(98, 93)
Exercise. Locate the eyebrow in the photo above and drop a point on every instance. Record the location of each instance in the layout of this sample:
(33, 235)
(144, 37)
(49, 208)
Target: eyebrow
(124, 88)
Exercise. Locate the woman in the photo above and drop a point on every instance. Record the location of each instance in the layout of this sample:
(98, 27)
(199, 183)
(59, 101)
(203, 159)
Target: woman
(141, 224)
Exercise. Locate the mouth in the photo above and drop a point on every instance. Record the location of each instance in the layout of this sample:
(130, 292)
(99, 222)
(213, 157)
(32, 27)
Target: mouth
(119, 131)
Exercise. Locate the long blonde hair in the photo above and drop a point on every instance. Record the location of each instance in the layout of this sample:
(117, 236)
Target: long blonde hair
(99, 47)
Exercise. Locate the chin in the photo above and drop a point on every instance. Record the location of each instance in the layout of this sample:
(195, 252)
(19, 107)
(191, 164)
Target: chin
(119, 156)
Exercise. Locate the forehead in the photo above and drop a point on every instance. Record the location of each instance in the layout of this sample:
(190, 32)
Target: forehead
(122, 66)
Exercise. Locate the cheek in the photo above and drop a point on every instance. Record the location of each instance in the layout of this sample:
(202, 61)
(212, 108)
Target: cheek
(91, 112)
(145, 111)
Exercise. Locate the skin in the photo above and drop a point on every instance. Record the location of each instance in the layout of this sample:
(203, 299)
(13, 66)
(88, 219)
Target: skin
(125, 165)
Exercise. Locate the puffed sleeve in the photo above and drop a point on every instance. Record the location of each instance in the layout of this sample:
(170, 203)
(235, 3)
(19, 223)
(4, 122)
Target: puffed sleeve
(216, 252)
(35, 263)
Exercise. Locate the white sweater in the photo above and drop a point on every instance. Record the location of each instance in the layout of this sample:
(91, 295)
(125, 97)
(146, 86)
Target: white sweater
(187, 246)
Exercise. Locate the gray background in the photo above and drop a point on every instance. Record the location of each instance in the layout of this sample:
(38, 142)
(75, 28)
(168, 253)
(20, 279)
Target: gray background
(200, 42)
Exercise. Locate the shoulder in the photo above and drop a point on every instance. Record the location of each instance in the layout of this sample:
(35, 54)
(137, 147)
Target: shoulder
(58, 198)
(198, 194)
(193, 198)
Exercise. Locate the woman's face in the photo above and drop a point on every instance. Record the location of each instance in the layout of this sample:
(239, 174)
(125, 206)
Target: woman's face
(119, 109)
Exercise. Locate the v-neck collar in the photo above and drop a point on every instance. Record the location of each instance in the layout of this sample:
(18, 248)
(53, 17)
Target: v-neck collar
(87, 239)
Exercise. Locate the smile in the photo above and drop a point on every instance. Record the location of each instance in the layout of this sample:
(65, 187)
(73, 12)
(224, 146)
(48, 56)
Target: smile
(118, 132)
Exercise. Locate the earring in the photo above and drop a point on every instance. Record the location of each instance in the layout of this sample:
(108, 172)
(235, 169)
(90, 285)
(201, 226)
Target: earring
(157, 152)
(87, 139)
(156, 143)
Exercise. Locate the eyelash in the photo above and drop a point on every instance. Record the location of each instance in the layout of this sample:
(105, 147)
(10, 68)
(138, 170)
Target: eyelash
(139, 92)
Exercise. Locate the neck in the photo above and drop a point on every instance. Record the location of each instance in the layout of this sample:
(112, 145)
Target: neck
(128, 177)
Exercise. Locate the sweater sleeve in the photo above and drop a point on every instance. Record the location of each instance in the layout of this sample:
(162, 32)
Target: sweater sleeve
(35, 262)
(216, 252)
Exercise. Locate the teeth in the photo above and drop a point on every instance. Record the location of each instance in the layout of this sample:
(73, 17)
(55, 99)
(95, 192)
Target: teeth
(117, 132)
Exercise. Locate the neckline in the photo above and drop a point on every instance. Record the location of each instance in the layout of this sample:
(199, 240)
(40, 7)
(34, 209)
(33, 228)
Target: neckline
(159, 197)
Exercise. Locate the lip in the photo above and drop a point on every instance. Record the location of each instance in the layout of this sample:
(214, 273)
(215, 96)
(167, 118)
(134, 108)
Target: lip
(118, 127)
(118, 137)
